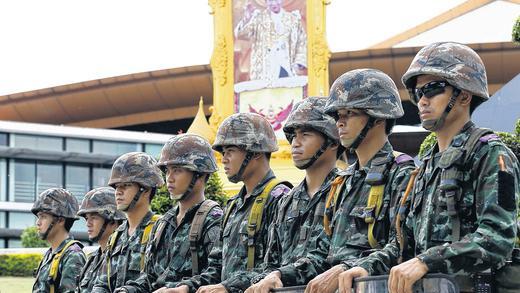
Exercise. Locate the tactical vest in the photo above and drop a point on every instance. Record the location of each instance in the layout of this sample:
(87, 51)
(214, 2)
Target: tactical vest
(195, 234)
(144, 242)
(55, 264)
(376, 177)
(254, 221)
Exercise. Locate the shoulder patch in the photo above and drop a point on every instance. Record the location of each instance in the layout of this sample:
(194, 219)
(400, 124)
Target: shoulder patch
(489, 137)
(403, 159)
(279, 190)
(216, 213)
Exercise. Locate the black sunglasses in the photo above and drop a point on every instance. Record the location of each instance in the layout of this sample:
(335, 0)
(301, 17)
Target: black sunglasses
(429, 90)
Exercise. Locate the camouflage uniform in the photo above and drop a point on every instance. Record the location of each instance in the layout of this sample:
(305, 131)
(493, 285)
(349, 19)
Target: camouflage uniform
(168, 255)
(375, 93)
(486, 207)
(298, 214)
(102, 202)
(59, 203)
(228, 258)
(125, 254)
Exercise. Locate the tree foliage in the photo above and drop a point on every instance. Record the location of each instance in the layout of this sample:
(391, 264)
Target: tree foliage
(30, 238)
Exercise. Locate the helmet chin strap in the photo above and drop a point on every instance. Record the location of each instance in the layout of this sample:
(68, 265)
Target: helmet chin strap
(436, 124)
(314, 158)
(238, 176)
(196, 175)
(135, 199)
(51, 225)
(100, 233)
(361, 136)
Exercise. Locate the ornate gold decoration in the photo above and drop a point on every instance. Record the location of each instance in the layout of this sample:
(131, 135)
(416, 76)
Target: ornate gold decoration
(321, 56)
(214, 3)
(219, 60)
(201, 126)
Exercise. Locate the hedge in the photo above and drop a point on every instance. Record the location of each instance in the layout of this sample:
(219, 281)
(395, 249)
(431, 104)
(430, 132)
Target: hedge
(19, 264)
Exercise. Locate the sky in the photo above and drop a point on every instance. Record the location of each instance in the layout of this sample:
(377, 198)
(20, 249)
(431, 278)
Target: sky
(57, 42)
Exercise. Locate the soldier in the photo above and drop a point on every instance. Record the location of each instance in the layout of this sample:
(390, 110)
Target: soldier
(463, 206)
(246, 141)
(135, 178)
(184, 236)
(361, 205)
(56, 210)
(102, 217)
(314, 142)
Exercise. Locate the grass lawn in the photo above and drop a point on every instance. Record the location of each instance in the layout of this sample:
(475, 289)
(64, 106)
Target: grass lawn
(16, 284)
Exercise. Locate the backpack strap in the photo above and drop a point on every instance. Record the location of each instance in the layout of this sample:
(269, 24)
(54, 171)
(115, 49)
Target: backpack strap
(146, 236)
(255, 220)
(55, 263)
(196, 232)
(331, 201)
(452, 164)
(229, 208)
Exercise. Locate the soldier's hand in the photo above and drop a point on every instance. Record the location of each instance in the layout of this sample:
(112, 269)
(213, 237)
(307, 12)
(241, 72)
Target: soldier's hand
(346, 278)
(270, 281)
(403, 276)
(180, 289)
(326, 282)
(212, 289)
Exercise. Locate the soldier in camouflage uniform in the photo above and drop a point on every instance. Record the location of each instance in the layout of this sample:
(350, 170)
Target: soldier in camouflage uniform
(135, 177)
(463, 205)
(246, 141)
(361, 207)
(99, 210)
(314, 142)
(188, 161)
(56, 210)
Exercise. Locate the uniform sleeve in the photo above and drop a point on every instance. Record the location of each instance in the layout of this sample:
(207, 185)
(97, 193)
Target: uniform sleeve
(494, 236)
(71, 267)
(240, 281)
(101, 282)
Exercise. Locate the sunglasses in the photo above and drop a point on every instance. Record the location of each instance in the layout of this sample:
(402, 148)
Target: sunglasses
(429, 90)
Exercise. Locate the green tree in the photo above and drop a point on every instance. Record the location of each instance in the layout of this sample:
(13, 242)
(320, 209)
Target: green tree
(30, 238)
(516, 31)
(161, 203)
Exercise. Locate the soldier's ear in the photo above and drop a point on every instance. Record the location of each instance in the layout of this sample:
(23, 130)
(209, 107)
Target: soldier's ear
(465, 98)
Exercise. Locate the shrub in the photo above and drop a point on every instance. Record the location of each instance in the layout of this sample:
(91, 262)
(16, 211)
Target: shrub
(30, 238)
(21, 265)
(516, 31)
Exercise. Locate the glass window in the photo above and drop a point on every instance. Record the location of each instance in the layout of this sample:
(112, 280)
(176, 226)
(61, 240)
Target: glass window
(153, 149)
(3, 180)
(48, 176)
(77, 180)
(23, 183)
(114, 148)
(14, 243)
(18, 220)
(37, 142)
(77, 145)
(100, 177)
(2, 220)
(3, 139)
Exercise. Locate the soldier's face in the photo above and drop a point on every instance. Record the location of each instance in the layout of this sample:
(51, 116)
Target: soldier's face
(350, 123)
(431, 108)
(305, 144)
(232, 158)
(125, 193)
(43, 220)
(94, 224)
(177, 180)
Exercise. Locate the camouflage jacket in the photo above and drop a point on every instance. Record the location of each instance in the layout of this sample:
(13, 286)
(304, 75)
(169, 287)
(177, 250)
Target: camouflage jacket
(168, 256)
(487, 216)
(228, 258)
(124, 257)
(90, 271)
(71, 263)
(296, 227)
(349, 239)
